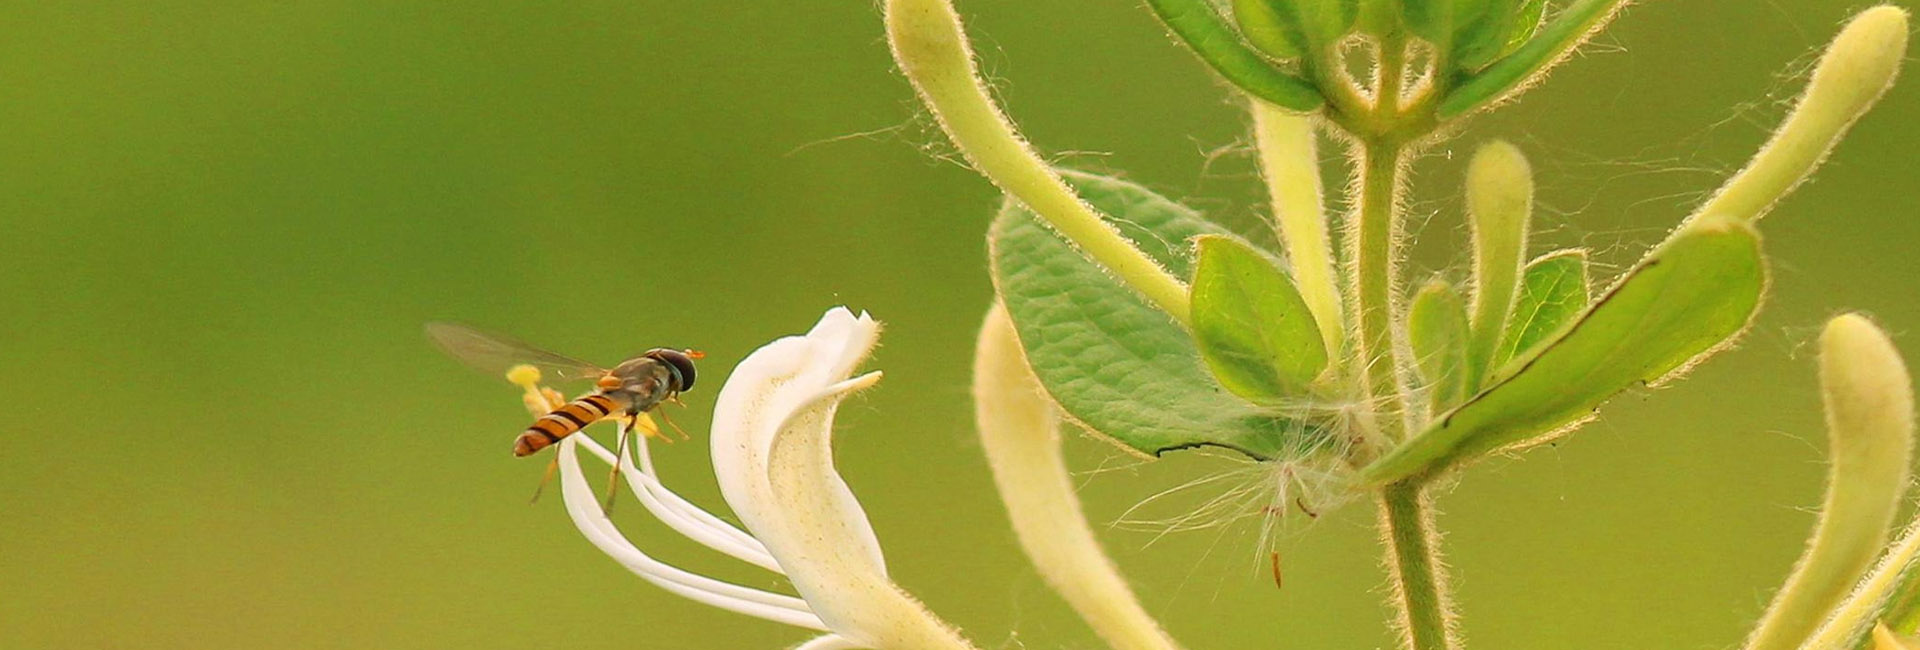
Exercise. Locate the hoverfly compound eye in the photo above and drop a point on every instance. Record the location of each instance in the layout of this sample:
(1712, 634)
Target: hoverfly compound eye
(680, 362)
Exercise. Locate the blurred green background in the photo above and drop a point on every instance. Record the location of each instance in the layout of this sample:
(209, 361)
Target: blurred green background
(226, 222)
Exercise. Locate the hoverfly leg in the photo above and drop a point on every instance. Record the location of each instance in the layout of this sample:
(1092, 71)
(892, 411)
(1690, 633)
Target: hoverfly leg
(619, 457)
(545, 479)
(676, 427)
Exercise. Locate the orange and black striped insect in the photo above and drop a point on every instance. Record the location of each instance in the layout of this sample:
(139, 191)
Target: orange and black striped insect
(630, 388)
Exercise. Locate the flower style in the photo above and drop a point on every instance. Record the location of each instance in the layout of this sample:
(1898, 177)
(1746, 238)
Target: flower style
(771, 438)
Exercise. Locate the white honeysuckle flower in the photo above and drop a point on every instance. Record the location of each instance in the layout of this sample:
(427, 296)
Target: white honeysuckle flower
(772, 429)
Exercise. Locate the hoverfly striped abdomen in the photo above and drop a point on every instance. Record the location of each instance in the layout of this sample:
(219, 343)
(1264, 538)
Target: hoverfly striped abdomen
(567, 420)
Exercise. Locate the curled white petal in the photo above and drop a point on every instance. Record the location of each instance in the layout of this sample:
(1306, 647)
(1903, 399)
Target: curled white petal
(681, 515)
(773, 458)
(584, 508)
(767, 387)
(772, 454)
(818, 528)
(828, 642)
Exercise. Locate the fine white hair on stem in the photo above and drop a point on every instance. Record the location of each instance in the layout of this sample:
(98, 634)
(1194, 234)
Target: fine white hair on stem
(1278, 493)
(1303, 479)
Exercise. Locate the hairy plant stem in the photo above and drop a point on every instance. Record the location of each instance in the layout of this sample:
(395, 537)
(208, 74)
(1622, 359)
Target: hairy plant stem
(1291, 165)
(1383, 135)
(1419, 583)
(1373, 234)
(932, 49)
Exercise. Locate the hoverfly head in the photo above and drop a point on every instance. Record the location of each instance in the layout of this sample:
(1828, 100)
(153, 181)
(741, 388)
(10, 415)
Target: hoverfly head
(680, 362)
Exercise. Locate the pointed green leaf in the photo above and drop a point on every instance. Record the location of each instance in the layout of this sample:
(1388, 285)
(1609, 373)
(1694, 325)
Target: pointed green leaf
(1428, 19)
(1253, 329)
(1472, 33)
(1211, 37)
(1555, 39)
(1691, 295)
(1437, 332)
(1553, 292)
(1326, 21)
(1270, 31)
(1481, 36)
(1526, 22)
(1286, 28)
(1115, 364)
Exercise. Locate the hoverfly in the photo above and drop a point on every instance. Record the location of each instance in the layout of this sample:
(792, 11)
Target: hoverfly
(635, 386)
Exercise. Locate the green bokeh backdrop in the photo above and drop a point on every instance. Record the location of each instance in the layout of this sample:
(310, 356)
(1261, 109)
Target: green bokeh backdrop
(225, 223)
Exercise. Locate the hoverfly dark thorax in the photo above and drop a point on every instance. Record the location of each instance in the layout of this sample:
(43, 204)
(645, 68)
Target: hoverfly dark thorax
(643, 381)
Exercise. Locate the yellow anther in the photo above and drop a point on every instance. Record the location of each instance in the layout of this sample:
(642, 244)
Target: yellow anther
(524, 376)
(645, 425)
(538, 399)
(535, 402)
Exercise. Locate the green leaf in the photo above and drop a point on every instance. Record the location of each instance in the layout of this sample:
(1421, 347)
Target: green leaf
(1210, 36)
(1480, 37)
(1472, 33)
(1525, 23)
(1553, 292)
(1114, 363)
(1268, 29)
(1285, 29)
(1567, 30)
(1253, 329)
(1437, 332)
(1428, 19)
(1325, 21)
(1691, 295)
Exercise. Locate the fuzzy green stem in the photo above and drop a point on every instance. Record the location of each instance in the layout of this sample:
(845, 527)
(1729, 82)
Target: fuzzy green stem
(1418, 579)
(1390, 77)
(1374, 236)
(931, 48)
(1374, 240)
(1291, 165)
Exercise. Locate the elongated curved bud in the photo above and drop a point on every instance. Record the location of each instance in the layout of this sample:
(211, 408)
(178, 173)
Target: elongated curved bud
(1857, 68)
(1870, 446)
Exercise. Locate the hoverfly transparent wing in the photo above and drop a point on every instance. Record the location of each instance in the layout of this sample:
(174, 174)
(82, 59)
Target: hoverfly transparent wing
(496, 353)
